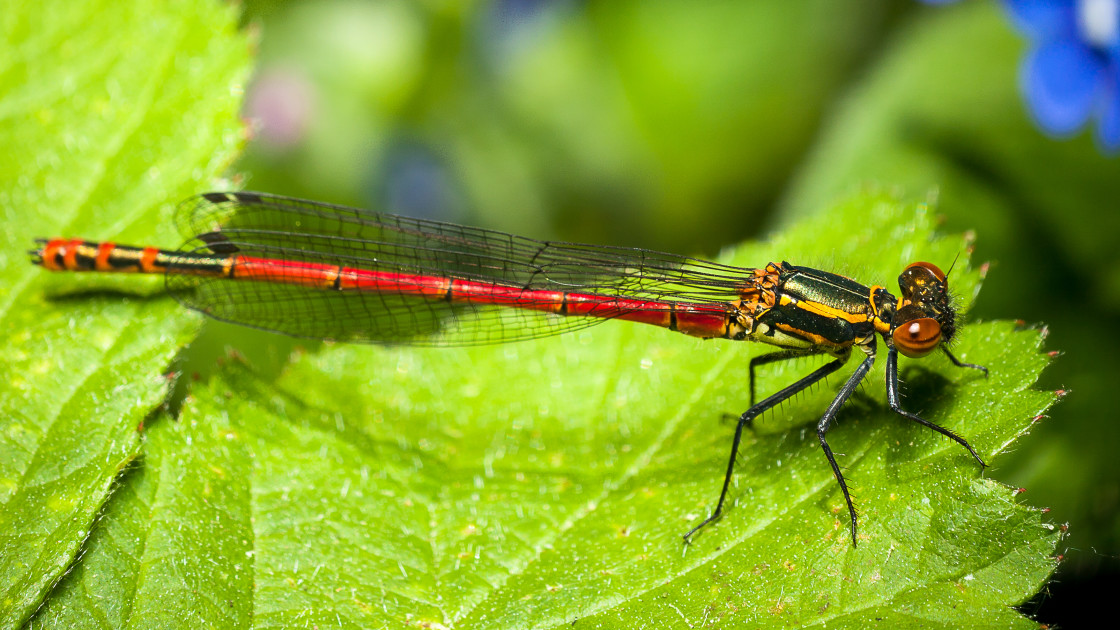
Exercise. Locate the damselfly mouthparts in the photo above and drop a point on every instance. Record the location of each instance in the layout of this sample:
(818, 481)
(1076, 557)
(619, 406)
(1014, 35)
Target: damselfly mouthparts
(330, 272)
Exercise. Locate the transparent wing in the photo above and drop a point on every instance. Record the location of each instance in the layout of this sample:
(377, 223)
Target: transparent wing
(279, 228)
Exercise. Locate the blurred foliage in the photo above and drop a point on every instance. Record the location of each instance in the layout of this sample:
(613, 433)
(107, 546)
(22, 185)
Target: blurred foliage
(625, 122)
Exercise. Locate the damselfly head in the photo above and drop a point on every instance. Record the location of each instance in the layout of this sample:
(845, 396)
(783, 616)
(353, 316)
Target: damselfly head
(925, 317)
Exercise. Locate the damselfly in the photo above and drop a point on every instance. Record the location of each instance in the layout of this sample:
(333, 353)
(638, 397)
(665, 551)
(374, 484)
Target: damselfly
(329, 272)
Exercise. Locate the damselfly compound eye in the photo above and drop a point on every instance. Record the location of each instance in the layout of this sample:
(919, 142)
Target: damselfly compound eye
(917, 337)
(930, 267)
(922, 281)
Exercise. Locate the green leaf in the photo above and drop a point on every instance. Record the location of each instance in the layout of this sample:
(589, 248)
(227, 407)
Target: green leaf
(109, 110)
(547, 484)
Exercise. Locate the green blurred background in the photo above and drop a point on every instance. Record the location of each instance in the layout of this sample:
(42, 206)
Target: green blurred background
(690, 126)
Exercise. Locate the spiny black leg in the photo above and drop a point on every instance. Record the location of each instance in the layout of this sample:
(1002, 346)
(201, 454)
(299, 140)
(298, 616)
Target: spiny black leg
(830, 414)
(774, 357)
(894, 399)
(957, 362)
(749, 415)
(743, 421)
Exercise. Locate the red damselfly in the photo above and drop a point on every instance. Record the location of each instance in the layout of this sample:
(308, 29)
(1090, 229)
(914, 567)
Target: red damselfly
(329, 272)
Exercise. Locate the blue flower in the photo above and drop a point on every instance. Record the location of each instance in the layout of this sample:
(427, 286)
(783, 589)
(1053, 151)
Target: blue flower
(1072, 72)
